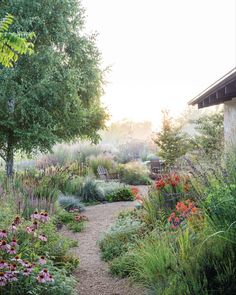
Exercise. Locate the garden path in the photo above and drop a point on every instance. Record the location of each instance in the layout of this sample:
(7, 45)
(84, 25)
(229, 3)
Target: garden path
(92, 274)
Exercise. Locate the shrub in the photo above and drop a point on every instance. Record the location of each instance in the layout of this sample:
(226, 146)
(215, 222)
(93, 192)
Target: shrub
(120, 237)
(70, 203)
(91, 191)
(123, 194)
(134, 173)
(109, 187)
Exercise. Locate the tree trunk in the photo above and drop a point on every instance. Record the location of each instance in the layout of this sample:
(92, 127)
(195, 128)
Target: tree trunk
(9, 158)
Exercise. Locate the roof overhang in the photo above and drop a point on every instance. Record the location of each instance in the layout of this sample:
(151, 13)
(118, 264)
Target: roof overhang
(222, 90)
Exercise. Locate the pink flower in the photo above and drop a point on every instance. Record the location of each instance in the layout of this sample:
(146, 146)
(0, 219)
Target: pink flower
(26, 272)
(3, 264)
(3, 233)
(41, 278)
(24, 263)
(42, 260)
(44, 216)
(50, 279)
(4, 245)
(29, 230)
(11, 277)
(3, 279)
(35, 215)
(17, 258)
(12, 267)
(43, 238)
(44, 276)
(45, 273)
(13, 228)
(12, 250)
(13, 243)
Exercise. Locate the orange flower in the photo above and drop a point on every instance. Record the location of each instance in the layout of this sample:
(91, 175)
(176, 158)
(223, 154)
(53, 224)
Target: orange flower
(134, 190)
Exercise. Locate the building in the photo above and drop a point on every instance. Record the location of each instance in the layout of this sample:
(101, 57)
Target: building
(223, 91)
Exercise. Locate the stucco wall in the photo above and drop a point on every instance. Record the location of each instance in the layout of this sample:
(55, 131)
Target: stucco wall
(230, 123)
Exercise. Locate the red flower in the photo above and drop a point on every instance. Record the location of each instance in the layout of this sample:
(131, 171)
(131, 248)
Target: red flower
(160, 184)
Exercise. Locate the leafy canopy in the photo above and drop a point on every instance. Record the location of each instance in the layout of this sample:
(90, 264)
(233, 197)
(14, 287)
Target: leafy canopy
(54, 94)
(12, 44)
(172, 142)
(210, 137)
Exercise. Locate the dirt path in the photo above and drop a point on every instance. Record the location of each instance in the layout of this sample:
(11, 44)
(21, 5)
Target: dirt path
(93, 275)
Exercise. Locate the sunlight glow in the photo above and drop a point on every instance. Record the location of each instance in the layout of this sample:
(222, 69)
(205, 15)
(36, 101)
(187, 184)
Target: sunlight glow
(162, 53)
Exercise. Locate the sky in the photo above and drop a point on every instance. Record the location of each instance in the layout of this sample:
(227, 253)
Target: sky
(162, 53)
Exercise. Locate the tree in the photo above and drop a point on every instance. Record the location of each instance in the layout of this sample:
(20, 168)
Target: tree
(210, 137)
(54, 94)
(12, 44)
(172, 142)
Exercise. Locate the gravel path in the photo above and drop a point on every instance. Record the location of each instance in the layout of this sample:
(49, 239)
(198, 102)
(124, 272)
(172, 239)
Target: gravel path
(92, 274)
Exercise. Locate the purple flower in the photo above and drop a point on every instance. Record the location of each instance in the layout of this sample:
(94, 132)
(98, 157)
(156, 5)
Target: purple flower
(17, 258)
(42, 260)
(3, 264)
(11, 277)
(13, 228)
(3, 233)
(41, 278)
(35, 215)
(4, 245)
(13, 243)
(12, 250)
(43, 238)
(3, 279)
(26, 272)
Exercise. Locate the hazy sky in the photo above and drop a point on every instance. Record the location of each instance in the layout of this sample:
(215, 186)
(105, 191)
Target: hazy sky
(162, 52)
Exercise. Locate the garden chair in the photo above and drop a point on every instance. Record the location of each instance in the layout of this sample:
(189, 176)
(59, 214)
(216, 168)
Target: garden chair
(157, 168)
(105, 175)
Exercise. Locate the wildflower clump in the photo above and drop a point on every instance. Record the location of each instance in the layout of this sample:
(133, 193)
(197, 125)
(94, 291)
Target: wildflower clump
(183, 211)
(15, 261)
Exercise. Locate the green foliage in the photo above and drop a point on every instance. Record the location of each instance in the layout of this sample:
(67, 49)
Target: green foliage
(199, 257)
(120, 237)
(70, 203)
(123, 194)
(76, 227)
(11, 44)
(57, 97)
(153, 213)
(123, 265)
(110, 187)
(104, 161)
(134, 173)
(154, 262)
(69, 219)
(210, 136)
(172, 142)
(91, 191)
